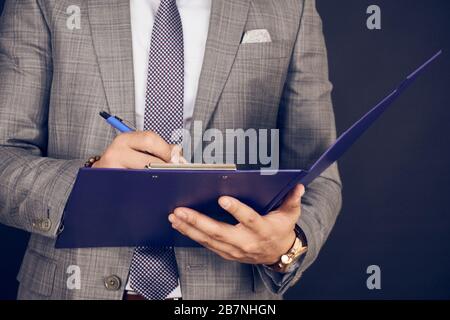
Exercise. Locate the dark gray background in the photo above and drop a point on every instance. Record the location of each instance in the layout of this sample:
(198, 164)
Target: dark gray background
(396, 179)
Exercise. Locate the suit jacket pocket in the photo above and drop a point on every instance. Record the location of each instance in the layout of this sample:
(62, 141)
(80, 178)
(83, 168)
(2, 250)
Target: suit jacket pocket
(37, 273)
(265, 50)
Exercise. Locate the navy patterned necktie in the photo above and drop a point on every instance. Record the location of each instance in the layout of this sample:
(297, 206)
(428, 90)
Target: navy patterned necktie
(153, 271)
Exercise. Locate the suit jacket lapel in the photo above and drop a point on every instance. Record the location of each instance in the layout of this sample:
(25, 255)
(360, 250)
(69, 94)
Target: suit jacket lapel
(227, 22)
(111, 32)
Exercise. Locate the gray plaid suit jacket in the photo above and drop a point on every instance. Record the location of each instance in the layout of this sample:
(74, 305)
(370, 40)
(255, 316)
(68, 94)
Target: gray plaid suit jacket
(54, 81)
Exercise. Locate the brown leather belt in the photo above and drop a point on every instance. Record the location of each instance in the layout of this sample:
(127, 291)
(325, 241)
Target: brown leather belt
(128, 296)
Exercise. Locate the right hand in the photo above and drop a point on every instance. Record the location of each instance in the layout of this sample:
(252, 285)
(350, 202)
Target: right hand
(135, 150)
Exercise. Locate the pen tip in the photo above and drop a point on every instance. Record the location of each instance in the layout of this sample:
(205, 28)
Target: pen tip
(105, 114)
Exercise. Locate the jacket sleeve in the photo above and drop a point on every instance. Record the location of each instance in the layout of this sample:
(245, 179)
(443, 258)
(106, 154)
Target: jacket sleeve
(307, 129)
(33, 188)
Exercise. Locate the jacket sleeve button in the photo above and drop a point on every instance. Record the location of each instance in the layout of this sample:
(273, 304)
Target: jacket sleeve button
(43, 225)
(46, 225)
(112, 283)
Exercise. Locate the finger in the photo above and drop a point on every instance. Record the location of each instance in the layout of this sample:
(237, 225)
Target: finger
(292, 202)
(243, 213)
(213, 228)
(201, 237)
(138, 160)
(150, 142)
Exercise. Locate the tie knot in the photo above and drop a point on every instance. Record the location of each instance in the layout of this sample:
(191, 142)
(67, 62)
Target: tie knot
(168, 7)
(169, 2)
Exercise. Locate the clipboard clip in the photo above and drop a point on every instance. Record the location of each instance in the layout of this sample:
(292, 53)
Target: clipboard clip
(190, 166)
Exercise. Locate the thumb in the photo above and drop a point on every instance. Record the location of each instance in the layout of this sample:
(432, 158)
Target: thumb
(176, 156)
(292, 202)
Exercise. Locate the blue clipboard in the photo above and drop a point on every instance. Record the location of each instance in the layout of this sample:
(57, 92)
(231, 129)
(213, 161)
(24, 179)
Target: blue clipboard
(127, 208)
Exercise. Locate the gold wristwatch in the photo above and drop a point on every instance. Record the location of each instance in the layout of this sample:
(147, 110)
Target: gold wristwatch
(298, 249)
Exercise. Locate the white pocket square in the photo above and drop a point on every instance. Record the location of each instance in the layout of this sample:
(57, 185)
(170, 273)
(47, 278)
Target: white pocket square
(256, 36)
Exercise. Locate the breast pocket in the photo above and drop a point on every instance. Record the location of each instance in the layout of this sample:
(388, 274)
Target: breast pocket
(265, 50)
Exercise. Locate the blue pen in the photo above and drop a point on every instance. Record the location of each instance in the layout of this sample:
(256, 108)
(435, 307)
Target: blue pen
(116, 122)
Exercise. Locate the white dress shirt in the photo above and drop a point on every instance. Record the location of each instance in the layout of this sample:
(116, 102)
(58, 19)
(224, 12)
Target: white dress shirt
(195, 18)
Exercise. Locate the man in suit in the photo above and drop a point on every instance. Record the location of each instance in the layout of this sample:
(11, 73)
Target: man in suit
(160, 65)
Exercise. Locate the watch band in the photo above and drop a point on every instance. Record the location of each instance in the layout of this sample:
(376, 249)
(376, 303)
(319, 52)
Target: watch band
(301, 235)
(298, 249)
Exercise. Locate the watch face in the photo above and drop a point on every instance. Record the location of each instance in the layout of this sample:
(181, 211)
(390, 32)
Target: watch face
(285, 259)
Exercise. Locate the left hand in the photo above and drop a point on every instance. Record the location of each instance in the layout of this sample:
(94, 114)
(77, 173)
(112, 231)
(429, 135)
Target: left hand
(255, 239)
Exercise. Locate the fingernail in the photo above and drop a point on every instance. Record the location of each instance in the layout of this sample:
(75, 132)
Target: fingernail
(302, 192)
(183, 160)
(181, 214)
(175, 154)
(224, 203)
(172, 218)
